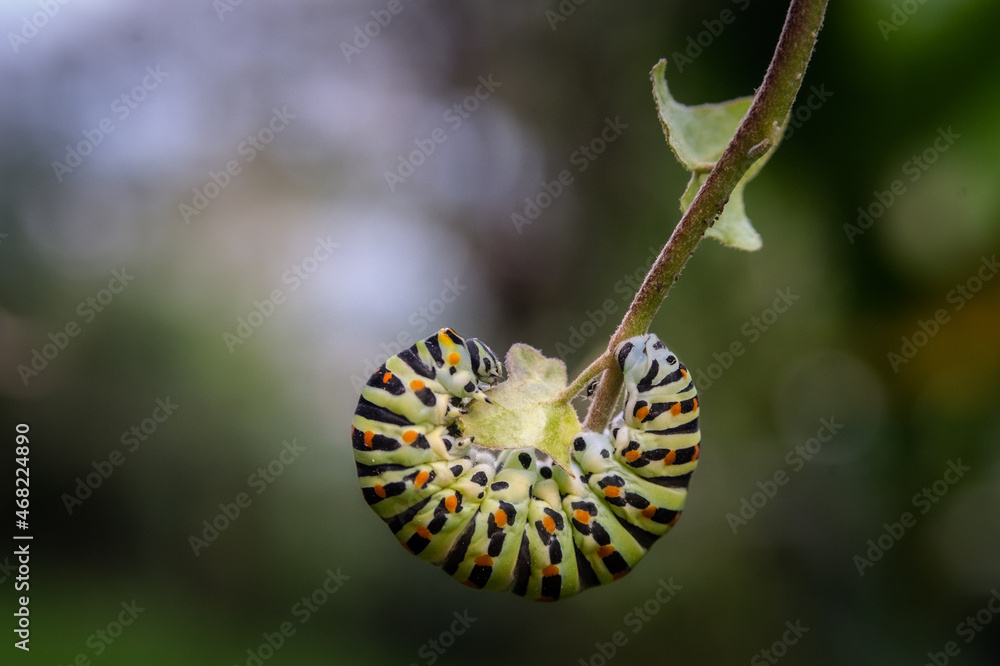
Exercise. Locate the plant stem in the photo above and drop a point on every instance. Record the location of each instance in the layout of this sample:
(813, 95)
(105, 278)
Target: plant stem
(602, 363)
(759, 131)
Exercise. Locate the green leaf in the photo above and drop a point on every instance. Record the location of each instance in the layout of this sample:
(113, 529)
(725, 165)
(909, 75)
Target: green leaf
(525, 410)
(733, 228)
(698, 135)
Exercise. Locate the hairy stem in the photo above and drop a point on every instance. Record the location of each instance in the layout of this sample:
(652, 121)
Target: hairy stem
(759, 131)
(602, 363)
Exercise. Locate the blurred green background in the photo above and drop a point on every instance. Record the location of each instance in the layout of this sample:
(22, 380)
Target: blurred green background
(308, 115)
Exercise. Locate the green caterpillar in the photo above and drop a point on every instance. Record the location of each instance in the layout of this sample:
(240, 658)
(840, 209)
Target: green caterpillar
(511, 519)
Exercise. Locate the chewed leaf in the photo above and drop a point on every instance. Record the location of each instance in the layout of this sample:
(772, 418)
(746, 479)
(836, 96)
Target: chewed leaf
(698, 135)
(525, 409)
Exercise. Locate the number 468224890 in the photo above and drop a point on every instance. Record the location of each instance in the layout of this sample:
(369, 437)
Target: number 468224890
(21, 472)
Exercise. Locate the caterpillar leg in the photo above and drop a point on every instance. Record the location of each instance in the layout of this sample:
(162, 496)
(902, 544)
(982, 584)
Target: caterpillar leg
(490, 550)
(551, 551)
(606, 549)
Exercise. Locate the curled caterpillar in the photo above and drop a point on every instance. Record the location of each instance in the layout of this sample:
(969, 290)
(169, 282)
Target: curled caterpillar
(511, 519)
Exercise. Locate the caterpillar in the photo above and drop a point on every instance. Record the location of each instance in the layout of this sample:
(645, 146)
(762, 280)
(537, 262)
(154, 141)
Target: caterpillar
(511, 519)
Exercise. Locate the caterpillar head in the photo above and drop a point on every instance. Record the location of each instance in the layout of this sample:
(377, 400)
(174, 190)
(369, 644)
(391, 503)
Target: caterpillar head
(485, 364)
(644, 358)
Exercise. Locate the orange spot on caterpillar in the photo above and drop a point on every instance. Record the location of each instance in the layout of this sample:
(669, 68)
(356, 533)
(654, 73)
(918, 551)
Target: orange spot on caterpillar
(632, 455)
(694, 401)
(454, 358)
(612, 491)
(484, 561)
(670, 458)
(619, 574)
(549, 524)
(416, 385)
(379, 490)
(649, 511)
(675, 409)
(604, 551)
(424, 532)
(422, 478)
(676, 517)
(369, 435)
(551, 570)
(684, 372)
(410, 436)
(451, 503)
(581, 516)
(386, 378)
(500, 517)
(642, 412)
(697, 452)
